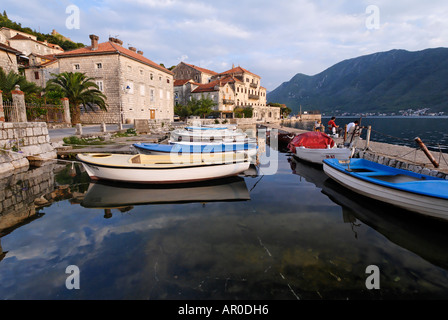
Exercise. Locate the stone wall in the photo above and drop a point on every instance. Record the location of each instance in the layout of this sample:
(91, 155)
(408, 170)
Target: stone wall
(22, 142)
(395, 163)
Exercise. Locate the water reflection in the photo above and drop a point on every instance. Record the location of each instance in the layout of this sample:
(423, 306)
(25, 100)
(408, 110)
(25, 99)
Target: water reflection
(422, 235)
(112, 195)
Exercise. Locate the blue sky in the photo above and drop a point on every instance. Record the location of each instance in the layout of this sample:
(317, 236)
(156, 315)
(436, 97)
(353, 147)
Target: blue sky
(274, 39)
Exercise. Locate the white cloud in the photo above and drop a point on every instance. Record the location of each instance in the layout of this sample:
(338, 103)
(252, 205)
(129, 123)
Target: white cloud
(275, 39)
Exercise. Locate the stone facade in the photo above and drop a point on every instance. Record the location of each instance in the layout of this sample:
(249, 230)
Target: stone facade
(235, 88)
(135, 87)
(40, 70)
(27, 45)
(22, 140)
(185, 71)
(8, 58)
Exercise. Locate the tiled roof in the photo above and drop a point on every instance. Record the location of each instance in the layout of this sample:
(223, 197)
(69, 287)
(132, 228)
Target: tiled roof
(22, 37)
(209, 87)
(181, 82)
(4, 47)
(108, 48)
(237, 70)
(201, 69)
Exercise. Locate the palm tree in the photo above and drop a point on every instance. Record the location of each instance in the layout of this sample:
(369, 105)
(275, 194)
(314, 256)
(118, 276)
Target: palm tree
(80, 90)
(8, 82)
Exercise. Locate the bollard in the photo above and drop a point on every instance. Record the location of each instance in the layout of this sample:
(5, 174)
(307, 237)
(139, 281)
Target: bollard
(103, 127)
(426, 151)
(78, 129)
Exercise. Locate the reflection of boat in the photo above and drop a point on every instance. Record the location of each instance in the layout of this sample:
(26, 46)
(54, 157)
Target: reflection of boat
(316, 146)
(172, 168)
(110, 195)
(424, 236)
(311, 172)
(405, 189)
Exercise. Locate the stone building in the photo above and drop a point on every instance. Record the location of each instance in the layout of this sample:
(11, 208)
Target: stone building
(234, 88)
(8, 58)
(135, 87)
(40, 69)
(185, 71)
(28, 45)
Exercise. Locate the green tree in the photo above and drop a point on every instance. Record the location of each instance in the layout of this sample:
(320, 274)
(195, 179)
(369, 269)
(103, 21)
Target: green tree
(8, 82)
(80, 91)
(201, 107)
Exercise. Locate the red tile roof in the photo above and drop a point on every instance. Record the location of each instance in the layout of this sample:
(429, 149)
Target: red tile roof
(22, 37)
(201, 69)
(110, 48)
(4, 47)
(209, 87)
(238, 70)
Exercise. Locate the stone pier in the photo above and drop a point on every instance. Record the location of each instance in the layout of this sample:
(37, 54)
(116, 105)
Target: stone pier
(22, 144)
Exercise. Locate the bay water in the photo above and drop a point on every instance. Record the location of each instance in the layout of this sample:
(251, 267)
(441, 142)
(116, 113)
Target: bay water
(284, 234)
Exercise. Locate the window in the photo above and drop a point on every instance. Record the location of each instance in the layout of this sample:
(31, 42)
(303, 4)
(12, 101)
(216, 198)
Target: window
(129, 69)
(161, 94)
(167, 80)
(36, 75)
(100, 85)
(99, 65)
(168, 95)
(151, 76)
(142, 89)
(141, 72)
(76, 66)
(151, 95)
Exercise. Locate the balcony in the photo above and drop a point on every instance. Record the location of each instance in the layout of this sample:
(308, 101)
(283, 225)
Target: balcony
(254, 96)
(254, 85)
(228, 101)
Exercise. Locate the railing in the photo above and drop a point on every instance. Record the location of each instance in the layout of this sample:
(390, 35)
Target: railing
(253, 85)
(254, 96)
(228, 101)
(34, 113)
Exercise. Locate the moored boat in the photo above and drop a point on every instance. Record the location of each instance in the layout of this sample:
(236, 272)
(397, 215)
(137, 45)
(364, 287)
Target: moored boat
(154, 148)
(207, 135)
(166, 169)
(405, 189)
(316, 146)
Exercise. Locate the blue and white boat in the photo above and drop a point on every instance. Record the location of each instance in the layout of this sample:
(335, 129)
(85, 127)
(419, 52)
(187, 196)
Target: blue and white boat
(154, 148)
(405, 189)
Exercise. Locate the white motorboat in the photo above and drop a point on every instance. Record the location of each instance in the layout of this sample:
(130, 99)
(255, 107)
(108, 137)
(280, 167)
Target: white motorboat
(316, 146)
(166, 169)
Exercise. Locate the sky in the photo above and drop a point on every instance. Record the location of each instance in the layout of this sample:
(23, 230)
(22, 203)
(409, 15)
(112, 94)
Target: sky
(273, 39)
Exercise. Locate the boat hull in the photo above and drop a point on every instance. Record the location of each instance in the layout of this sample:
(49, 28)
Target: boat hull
(419, 203)
(157, 174)
(317, 156)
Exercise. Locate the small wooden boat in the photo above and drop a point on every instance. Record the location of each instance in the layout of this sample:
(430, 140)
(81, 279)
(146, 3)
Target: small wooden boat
(172, 168)
(405, 189)
(316, 146)
(154, 148)
(207, 135)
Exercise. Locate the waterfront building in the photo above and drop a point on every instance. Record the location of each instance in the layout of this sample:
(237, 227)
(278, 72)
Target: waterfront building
(135, 87)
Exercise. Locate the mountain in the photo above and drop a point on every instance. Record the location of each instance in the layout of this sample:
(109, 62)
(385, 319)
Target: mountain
(381, 82)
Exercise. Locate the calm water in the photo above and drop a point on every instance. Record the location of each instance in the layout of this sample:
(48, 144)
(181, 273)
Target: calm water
(398, 130)
(290, 235)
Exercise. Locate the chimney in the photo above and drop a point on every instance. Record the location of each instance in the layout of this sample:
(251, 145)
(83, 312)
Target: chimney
(115, 40)
(133, 49)
(140, 52)
(94, 41)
